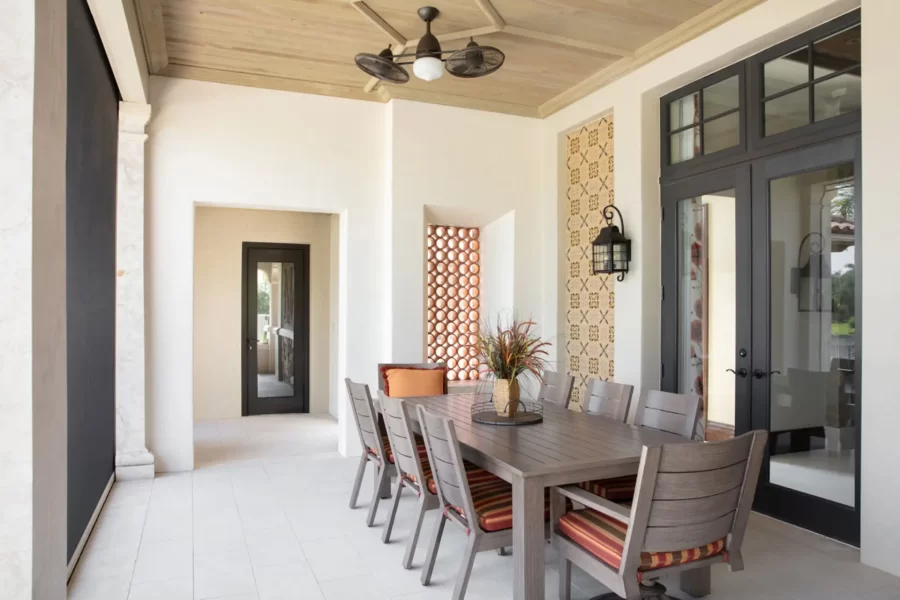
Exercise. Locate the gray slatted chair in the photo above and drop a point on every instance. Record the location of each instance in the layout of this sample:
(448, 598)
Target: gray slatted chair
(557, 388)
(665, 411)
(477, 501)
(690, 510)
(608, 399)
(409, 453)
(375, 450)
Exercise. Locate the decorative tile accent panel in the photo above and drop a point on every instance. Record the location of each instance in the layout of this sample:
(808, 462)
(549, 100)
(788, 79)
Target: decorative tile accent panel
(591, 299)
(453, 281)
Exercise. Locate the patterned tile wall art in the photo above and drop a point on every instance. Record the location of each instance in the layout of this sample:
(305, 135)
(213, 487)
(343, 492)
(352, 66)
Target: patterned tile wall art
(590, 299)
(453, 280)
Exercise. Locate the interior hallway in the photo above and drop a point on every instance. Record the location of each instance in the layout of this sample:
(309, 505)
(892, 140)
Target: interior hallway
(264, 516)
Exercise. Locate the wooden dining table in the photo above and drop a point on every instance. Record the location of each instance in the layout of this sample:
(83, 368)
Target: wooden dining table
(567, 447)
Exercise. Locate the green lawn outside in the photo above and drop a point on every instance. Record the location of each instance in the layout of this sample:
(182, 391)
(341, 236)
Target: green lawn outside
(842, 329)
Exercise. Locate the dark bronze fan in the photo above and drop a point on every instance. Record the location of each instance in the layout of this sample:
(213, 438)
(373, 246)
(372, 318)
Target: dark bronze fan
(382, 66)
(474, 61)
(467, 63)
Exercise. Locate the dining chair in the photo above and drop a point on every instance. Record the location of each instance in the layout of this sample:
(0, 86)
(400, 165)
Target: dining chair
(607, 399)
(690, 511)
(665, 411)
(477, 501)
(556, 388)
(375, 444)
(413, 470)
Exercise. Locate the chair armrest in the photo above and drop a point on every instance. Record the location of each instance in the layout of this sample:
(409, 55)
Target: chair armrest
(616, 511)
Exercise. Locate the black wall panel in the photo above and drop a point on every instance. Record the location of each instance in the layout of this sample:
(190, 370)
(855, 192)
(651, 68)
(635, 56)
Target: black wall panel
(91, 268)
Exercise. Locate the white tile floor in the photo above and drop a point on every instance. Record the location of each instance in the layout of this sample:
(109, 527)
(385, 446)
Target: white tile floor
(264, 516)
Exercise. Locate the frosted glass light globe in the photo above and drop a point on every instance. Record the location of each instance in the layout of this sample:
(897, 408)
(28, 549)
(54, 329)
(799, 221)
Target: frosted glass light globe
(428, 68)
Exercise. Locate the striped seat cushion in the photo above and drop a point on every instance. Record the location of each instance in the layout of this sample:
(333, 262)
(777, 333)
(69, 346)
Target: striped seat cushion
(492, 500)
(420, 448)
(616, 489)
(604, 537)
(386, 444)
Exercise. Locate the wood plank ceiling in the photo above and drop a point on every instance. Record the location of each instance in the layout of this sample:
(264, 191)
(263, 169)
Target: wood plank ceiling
(557, 51)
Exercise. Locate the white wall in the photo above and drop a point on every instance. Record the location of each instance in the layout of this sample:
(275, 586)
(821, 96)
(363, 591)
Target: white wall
(498, 268)
(218, 238)
(635, 101)
(881, 327)
(380, 167)
(242, 147)
(466, 168)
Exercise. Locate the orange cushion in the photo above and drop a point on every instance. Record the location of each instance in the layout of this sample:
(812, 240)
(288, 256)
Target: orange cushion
(409, 382)
(617, 489)
(604, 537)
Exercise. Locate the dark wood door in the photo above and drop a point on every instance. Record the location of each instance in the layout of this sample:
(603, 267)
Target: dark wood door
(276, 329)
(806, 360)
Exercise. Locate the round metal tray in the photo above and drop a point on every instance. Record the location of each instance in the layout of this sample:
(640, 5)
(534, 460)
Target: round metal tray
(529, 413)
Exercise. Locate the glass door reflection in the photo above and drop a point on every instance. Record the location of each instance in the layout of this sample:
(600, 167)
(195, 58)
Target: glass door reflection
(275, 329)
(812, 356)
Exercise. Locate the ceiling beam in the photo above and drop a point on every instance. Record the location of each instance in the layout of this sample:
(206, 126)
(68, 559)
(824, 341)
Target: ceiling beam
(380, 23)
(117, 24)
(491, 13)
(149, 13)
(566, 41)
(687, 31)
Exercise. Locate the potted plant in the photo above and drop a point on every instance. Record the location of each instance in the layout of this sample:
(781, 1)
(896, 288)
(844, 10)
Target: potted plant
(508, 351)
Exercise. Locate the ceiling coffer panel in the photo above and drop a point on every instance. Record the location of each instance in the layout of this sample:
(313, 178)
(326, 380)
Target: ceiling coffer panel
(551, 49)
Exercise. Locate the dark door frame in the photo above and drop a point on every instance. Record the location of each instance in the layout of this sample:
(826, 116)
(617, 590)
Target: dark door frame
(301, 346)
(737, 178)
(755, 152)
(805, 510)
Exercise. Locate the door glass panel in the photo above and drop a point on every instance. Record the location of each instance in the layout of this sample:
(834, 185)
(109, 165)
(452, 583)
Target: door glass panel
(838, 95)
(706, 306)
(721, 133)
(786, 72)
(812, 381)
(684, 145)
(275, 329)
(837, 52)
(721, 97)
(787, 112)
(684, 111)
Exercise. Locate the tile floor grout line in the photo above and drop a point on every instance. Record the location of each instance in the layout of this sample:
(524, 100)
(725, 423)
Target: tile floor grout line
(141, 539)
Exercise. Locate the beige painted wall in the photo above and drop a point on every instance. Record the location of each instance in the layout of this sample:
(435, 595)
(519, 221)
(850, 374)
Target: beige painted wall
(219, 234)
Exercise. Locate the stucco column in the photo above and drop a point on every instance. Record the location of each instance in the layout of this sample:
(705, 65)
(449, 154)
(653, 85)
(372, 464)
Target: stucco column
(133, 460)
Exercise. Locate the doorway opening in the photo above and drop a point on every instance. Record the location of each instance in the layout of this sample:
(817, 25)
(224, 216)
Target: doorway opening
(276, 328)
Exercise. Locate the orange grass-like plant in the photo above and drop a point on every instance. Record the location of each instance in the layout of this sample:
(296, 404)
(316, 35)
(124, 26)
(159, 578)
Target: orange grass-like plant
(511, 350)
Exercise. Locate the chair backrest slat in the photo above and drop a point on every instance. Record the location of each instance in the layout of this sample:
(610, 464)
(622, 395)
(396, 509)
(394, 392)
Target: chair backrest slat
(694, 510)
(674, 413)
(446, 462)
(557, 388)
(403, 442)
(694, 494)
(608, 399)
(381, 366)
(365, 416)
(685, 537)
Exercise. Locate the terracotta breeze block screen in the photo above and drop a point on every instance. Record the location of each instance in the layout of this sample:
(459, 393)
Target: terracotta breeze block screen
(452, 298)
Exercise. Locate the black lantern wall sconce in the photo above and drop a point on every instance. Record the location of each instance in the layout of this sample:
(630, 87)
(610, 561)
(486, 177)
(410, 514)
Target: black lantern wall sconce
(611, 249)
(808, 281)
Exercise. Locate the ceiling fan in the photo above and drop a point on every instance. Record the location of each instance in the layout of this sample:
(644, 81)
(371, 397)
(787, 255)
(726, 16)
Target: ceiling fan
(429, 64)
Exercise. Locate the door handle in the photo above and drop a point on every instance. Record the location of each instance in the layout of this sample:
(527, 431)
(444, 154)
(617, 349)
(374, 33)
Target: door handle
(757, 374)
(742, 372)
(250, 344)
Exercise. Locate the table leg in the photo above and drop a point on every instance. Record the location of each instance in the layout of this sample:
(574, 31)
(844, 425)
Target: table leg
(528, 539)
(696, 583)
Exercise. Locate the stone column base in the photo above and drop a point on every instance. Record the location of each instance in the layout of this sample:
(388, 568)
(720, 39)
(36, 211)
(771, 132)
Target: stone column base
(135, 465)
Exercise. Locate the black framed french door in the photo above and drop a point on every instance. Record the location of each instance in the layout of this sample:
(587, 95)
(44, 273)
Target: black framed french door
(706, 311)
(805, 372)
(275, 328)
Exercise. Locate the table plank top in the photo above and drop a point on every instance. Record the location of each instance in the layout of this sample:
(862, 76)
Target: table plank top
(566, 441)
